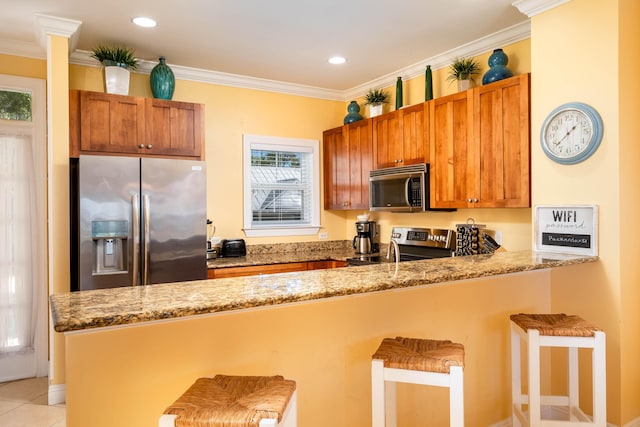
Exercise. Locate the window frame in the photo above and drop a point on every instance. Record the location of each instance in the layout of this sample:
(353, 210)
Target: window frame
(281, 144)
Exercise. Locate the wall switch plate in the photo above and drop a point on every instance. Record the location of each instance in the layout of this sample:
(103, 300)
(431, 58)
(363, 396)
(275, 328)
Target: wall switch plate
(323, 235)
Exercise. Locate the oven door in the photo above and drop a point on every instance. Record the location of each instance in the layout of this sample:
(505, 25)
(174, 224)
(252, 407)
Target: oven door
(397, 193)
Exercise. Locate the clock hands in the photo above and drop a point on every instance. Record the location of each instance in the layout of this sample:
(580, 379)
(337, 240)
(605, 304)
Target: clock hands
(566, 134)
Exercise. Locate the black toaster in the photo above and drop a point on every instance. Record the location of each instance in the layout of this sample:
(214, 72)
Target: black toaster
(233, 248)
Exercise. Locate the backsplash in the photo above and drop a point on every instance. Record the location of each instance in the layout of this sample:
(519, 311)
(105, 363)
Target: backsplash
(326, 245)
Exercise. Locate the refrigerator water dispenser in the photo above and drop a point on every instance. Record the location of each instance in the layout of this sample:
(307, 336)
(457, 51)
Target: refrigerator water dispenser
(109, 246)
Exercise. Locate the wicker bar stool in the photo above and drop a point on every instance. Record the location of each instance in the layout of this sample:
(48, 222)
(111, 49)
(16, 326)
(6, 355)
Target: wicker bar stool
(415, 361)
(556, 330)
(251, 401)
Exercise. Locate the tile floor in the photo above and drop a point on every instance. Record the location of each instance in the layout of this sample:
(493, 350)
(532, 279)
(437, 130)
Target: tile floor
(23, 403)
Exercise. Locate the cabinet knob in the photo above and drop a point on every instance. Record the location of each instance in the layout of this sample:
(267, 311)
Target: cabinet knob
(475, 200)
(469, 200)
(141, 146)
(149, 146)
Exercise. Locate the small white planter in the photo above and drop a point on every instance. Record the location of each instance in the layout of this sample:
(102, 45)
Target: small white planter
(375, 110)
(116, 80)
(464, 85)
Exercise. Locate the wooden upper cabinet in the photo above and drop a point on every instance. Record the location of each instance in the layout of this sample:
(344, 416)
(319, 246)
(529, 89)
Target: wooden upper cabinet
(359, 140)
(480, 147)
(400, 137)
(174, 128)
(450, 139)
(347, 158)
(111, 123)
(102, 123)
(501, 132)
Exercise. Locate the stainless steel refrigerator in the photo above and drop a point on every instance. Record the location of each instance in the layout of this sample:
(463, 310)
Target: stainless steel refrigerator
(138, 221)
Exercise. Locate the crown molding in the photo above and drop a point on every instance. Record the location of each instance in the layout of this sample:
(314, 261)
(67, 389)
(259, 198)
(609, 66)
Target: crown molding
(70, 28)
(509, 35)
(52, 25)
(534, 7)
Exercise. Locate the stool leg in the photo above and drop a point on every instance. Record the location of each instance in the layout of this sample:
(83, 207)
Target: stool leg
(534, 377)
(516, 379)
(599, 367)
(456, 396)
(574, 393)
(377, 393)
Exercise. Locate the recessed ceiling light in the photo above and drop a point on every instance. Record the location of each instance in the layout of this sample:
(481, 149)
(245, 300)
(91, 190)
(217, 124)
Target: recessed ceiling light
(337, 60)
(143, 21)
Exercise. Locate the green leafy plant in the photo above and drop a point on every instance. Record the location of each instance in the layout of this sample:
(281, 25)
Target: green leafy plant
(376, 97)
(463, 69)
(115, 55)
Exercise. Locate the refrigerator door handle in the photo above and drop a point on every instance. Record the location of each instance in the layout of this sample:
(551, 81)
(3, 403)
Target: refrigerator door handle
(146, 231)
(135, 218)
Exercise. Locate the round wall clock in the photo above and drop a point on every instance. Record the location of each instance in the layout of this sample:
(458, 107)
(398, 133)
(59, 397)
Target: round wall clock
(571, 133)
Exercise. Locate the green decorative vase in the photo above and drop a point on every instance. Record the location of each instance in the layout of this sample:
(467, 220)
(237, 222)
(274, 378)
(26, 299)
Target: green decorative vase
(399, 93)
(162, 80)
(354, 113)
(428, 84)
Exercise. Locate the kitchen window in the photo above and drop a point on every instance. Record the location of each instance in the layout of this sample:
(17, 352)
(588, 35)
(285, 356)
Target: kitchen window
(281, 186)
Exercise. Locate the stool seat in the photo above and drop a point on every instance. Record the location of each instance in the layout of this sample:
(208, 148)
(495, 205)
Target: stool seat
(415, 361)
(232, 401)
(556, 330)
(420, 354)
(559, 325)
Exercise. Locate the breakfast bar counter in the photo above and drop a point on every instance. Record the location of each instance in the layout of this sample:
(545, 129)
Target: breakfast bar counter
(130, 352)
(121, 306)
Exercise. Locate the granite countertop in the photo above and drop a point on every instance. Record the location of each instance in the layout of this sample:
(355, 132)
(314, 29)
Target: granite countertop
(267, 258)
(83, 310)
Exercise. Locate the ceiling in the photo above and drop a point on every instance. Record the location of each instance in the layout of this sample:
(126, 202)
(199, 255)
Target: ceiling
(286, 41)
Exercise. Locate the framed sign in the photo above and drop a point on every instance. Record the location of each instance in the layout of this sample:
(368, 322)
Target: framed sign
(569, 229)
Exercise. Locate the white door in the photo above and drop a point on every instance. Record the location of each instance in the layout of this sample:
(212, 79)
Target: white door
(23, 256)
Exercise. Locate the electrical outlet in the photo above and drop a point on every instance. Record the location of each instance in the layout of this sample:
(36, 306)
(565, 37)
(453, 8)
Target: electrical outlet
(323, 235)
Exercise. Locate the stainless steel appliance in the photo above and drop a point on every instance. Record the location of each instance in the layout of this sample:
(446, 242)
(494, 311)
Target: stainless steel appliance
(415, 243)
(137, 221)
(400, 189)
(233, 248)
(366, 240)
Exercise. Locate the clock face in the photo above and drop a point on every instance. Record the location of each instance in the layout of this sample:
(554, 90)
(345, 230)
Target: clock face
(571, 133)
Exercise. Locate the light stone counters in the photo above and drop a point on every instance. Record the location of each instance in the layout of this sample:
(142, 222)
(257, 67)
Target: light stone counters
(121, 306)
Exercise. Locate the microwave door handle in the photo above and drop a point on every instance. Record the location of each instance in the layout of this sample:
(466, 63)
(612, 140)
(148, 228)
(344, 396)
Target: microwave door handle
(407, 191)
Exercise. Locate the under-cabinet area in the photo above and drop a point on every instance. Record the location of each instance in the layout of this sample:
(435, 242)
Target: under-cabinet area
(477, 143)
(102, 123)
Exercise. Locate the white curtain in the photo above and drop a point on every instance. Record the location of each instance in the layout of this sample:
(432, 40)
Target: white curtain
(19, 235)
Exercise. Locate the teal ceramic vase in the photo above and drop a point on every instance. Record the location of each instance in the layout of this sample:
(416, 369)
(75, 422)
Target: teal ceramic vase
(353, 113)
(498, 70)
(162, 80)
(399, 93)
(428, 84)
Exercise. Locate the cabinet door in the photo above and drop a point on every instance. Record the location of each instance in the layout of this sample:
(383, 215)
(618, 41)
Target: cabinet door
(359, 141)
(501, 138)
(174, 128)
(415, 134)
(387, 139)
(335, 156)
(451, 151)
(111, 123)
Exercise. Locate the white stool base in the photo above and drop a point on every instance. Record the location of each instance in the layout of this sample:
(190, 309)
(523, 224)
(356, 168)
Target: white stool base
(383, 391)
(570, 404)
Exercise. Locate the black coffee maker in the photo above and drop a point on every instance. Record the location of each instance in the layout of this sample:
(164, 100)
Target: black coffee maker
(366, 240)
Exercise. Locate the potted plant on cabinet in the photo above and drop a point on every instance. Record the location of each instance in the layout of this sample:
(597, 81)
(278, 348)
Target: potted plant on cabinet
(462, 70)
(117, 62)
(374, 99)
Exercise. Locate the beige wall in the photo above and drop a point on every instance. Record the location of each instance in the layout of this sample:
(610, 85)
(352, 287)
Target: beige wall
(573, 62)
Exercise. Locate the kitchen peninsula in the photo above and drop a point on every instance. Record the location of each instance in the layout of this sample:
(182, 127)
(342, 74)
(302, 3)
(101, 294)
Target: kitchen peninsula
(131, 351)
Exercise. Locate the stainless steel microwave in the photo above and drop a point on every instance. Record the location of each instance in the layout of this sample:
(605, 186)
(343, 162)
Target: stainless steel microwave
(400, 189)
